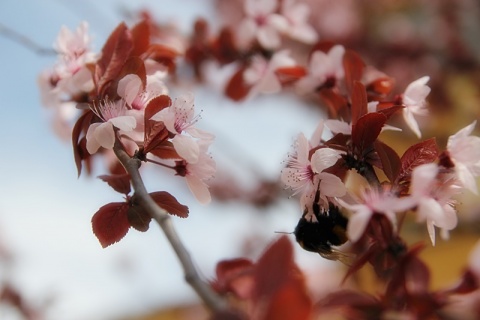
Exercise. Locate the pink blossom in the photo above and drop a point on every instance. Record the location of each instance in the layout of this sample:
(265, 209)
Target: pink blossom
(323, 67)
(306, 176)
(414, 101)
(196, 173)
(180, 119)
(113, 116)
(130, 88)
(70, 72)
(431, 195)
(464, 151)
(261, 23)
(298, 26)
(261, 72)
(372, 201)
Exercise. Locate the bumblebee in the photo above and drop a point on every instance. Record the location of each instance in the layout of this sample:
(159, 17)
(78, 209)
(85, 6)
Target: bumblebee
(319, 236)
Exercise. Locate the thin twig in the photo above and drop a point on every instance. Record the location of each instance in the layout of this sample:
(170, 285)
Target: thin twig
(204, 291)
(25, 41)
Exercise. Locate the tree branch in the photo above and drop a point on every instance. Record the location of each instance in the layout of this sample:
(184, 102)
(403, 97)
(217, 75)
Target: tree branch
(204, 291)
(24, 41)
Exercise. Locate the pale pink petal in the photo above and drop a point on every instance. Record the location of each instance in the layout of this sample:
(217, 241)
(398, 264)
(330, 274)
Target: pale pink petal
(417, 91)
(246, 32)
(411, 122)
(268, 37)
(200, 134)
(324, 158)
(317, 134)
(129, 87)
(466, 177)
(186, 147)
(422, 178)
(431, 232)
(105, 135)
(199, 189)
(462, 133)
(331, 185)
(278, 22)
(358, 222)
(338, 126)
(302, 149)
(92, 143)
(125, 123)
(260, 7)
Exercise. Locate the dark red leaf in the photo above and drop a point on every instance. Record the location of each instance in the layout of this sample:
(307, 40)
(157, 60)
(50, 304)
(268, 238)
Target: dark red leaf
(388, 110)
(390, 160)
(80, 153)
(133, 65)
(291, 302)
(162, 54)
(287, 75)
(110, 223)
(420, 153)
(141, 38)
(353, 65)
(165, 150)
(280, 291)
(359, 101)
(119, 182)
(235, 276)
(156, 105)
(115, 53)
(236, 88)
(168, 202)
(138, 218)
(155, 131)
(366, 131)
(334, 101)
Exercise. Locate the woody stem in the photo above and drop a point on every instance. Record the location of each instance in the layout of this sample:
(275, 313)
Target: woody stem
(211, 299)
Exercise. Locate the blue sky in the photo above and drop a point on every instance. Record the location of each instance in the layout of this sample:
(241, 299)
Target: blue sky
(45, 210)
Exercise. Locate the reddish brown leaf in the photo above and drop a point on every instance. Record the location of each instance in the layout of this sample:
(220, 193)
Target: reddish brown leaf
(287, 75)
(138, 217)
(420, 153)
(235, 276)
(368, 306)
(162, 54)
(119, 182)
(366, 131)
(156, 105)
(133, 65)
(359, 101)
(290, 302)
(236, 88)
(390, 160)
(168, 202)
(388, 110)
(141, 38)
(80, 153)
(155, 132)
(115, 52)
(334, 101)
(110, 223)
(353, 65)
(165, 150)
(279, 283)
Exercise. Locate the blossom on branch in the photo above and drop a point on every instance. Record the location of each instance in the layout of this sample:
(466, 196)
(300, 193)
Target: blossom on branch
(180, 119)
(431, 194)
(261, 23)
(113, 115)
(414, 101)
(464, 151)
(325, 69)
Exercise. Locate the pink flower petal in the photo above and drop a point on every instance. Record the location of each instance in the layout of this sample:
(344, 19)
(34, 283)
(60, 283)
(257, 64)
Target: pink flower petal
(324, 158)
(199, 189)
(125, 123)
(186, 147)
(92, 143)
(105, 135)
(129, 87)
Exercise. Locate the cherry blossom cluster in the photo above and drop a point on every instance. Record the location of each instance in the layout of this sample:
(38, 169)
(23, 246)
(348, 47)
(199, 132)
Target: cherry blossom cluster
(111, 92)
(118, 99)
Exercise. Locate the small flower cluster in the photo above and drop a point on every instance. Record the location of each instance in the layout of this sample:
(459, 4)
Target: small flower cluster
(122, 101)
(125, 98)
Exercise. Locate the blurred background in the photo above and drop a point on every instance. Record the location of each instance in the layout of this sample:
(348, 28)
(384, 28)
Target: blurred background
(48, 253)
